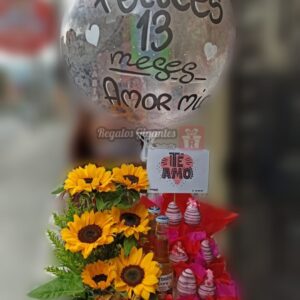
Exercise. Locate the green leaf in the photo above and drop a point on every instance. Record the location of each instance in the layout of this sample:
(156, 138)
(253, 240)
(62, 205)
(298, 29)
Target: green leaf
(55, 240)
(124, 205)
(57, 271)
(117, 200)
(100, 203)
(73, 261)
(60, 220)
(58, 190)
(69, 285)
(135, 195)
(129, 243)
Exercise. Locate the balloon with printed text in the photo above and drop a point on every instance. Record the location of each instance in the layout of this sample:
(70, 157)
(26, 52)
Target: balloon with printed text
(150, 62)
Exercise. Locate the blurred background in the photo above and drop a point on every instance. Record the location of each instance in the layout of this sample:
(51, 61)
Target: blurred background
(252, 130)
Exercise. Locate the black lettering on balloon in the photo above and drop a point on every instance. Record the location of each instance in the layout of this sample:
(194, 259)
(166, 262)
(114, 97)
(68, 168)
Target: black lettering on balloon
(197, 11)
(200, 101)
(147, 4)
(163, 3)
(161, 20)
(182, 7)
(126, 9)
(143, 60)
(189, 76)
(122, 58)
(145, 101)
(164, 99)
(104, 5)
(109, 81)
(148, 102)
(189, 100)
(161, 69)
(173, 64)
(164, 28)
(216, 4)
(199, 8)
(127, 96)
(162, 75)
(144, 24)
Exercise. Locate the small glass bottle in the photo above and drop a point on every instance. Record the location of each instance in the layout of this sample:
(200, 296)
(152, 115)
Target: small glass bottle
(148, 241)
(161, 255)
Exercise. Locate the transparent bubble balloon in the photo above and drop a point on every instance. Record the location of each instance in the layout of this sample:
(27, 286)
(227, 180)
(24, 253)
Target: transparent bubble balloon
(150, 62)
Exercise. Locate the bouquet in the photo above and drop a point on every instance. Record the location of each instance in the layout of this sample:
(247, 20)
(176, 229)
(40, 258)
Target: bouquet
(96, 244)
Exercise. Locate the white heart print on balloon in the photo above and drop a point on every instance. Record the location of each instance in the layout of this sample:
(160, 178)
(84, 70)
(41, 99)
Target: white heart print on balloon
(210, 51)
(92, 35)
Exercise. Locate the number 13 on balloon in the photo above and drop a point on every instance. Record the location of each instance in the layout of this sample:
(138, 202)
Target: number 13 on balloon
(161, 19)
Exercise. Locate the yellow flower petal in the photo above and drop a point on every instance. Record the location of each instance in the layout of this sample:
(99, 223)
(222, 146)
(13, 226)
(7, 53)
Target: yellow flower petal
(84, 234)
(144, 285)
(88, 179)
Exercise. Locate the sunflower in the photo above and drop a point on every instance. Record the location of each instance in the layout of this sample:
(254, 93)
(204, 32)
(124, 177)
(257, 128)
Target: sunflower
(88, 179)
(134, 178)
(132, 221)
(137, 274)
(88, 232)
(99, 275)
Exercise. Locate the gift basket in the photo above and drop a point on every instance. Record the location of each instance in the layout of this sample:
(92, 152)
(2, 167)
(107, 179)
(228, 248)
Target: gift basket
(114, 242)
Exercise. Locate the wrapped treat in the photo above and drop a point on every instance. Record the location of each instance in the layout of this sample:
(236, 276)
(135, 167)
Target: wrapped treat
(186, 284)
(208, 288)
(206, 251)
(178, 253)
(192, 215)
(174, 214)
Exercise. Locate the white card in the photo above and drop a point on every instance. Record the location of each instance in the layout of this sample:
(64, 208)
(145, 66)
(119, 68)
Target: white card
(178, 171)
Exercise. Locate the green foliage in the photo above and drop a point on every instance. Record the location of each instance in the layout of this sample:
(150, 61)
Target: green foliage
(67, 285)
(62, 220)
(68, 282)
(132, 197)
(58, 190)
(129, 243)
(72, 261)
(106, 252)
(121, 198)
(56, 271)
(86, 202)
(106, 201)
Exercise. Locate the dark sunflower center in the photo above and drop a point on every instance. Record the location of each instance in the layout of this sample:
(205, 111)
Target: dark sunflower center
(89, 234)
(99, 278)
(88, 180)
(132, 178)
(132, 275)
(131, 219)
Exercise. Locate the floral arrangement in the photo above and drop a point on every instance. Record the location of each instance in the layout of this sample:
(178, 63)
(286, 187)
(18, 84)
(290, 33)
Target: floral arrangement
(100, 241)
(96, 245)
